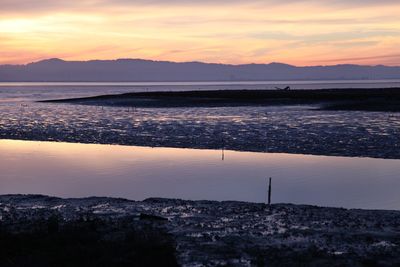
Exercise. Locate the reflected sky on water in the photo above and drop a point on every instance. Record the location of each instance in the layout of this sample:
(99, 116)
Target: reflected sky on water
(78, 170)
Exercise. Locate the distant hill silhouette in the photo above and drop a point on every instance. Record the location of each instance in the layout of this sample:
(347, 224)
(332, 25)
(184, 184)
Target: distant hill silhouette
(124, 70)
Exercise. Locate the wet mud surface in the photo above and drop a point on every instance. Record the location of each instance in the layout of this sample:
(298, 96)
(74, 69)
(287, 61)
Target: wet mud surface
(289, 129)
(210, 233)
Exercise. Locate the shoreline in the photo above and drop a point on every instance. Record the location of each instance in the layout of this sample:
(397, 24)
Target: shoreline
(196, 148)
(214, 233)
(384, 100)
(301, 129)
(392, 153)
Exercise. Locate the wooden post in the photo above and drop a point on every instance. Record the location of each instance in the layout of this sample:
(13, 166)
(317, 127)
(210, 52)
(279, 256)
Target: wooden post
(223, 147)
(269, 191)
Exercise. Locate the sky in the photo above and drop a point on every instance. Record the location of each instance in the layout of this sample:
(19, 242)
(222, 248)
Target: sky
(297, 32)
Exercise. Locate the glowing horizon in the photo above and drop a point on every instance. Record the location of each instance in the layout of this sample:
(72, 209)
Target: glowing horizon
(301, 33)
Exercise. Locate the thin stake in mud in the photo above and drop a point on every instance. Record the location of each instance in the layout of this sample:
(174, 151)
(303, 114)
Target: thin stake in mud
(269, 191)
(223, 148)
(266, 131)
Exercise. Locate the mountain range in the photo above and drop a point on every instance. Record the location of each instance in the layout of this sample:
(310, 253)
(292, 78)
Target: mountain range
(139, 70)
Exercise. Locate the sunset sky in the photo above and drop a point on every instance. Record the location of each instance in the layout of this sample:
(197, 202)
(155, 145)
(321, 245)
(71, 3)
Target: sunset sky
(298, 32)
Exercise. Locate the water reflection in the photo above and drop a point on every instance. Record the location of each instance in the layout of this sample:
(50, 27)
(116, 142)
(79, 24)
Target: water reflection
(77, 170)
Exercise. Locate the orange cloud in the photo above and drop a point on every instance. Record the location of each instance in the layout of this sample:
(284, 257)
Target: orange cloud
(297, 32)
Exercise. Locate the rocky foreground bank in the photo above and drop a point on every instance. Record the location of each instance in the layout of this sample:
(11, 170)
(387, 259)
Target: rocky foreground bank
(48, 231)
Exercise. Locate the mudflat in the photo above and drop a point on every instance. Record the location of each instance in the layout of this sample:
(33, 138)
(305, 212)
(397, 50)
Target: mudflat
(387, 99)
(194, 233)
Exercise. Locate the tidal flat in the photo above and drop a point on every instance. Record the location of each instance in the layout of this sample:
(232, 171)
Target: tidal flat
(297, 129)
(385, 100)
(195, 233)
(202, 233)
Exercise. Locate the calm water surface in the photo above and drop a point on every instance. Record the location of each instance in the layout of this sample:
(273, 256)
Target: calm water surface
(78, 170)
(28, 91)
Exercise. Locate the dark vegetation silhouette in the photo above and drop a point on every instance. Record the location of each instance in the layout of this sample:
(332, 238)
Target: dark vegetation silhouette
(328, 99)
(85, 242)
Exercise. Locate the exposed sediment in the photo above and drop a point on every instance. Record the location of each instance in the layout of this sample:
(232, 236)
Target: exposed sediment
(288, 129)
(332, 99)
(210, 233)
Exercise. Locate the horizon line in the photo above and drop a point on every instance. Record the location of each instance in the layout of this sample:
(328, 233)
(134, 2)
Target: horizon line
(196, 61)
